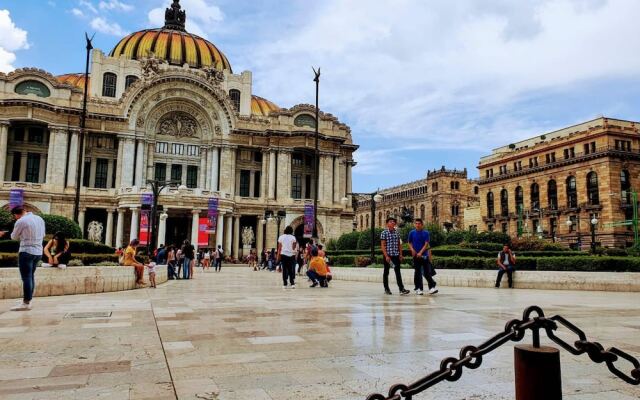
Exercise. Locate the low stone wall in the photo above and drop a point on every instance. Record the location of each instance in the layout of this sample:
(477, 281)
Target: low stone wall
(551, 280)
(75, 280)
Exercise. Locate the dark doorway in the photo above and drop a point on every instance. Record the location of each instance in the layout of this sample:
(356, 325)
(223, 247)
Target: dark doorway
(178, 229)
(299, 234)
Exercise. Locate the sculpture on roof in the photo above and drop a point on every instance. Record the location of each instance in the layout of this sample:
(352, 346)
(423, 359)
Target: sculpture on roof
(174, 17)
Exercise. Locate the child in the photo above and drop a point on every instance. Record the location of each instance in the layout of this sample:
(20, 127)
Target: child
(152, 274)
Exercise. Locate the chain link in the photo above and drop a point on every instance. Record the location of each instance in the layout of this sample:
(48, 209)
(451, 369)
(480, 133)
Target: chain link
(533, 319)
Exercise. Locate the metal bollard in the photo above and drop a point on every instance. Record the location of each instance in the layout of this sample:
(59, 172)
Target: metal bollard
(537, 373)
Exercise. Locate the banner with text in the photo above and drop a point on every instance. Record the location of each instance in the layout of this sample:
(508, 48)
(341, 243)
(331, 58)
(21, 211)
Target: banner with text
(16, 197)
(308, 220)
(212, 216)
(203, 232)
(144, 228)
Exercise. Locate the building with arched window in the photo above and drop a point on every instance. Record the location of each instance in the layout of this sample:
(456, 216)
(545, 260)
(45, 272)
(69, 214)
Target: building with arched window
(573, 174)
(165, 104)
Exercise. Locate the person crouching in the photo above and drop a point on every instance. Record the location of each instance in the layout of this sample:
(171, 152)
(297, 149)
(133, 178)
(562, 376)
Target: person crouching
(317, 269)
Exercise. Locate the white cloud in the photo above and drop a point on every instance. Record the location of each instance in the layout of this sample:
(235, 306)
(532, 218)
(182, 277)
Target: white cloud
(87, 5)
(443, 73)
(115, 5)
(110, 28)
(77, 12)
(203, 16)
(12, 39)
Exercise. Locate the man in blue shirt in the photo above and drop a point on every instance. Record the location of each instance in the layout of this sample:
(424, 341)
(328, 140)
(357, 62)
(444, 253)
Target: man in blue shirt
(420, 250)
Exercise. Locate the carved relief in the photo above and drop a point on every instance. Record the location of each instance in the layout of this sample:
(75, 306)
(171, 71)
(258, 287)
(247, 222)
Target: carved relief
(218, 130)
(150, 66)
(178, 124)
(214, 75)
(139, 122)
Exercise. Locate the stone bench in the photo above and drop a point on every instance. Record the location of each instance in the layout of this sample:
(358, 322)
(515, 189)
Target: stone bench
(550, 280)
(75, 280)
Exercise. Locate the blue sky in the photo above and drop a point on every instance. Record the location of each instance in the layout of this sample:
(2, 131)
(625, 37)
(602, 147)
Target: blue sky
(421, 83)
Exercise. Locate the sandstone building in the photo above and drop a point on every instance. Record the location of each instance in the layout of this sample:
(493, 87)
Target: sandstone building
(441, 198)
(573, 174)
(165, 104)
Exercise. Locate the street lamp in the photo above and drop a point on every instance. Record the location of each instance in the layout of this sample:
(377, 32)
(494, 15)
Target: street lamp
(375, 198)
(594, 222)
(156, 188)
(570, 223)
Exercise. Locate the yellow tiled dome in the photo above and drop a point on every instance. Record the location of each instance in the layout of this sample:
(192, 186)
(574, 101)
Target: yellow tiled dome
(76, 80)
(261, 106)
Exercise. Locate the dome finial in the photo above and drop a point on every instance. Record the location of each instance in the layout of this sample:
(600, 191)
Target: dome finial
(174, 17)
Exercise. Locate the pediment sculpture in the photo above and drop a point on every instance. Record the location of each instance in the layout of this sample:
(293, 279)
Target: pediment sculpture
(178, 124)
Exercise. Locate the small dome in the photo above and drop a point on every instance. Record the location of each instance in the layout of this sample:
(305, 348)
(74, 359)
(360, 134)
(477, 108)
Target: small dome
(76, 80)
(262, 107)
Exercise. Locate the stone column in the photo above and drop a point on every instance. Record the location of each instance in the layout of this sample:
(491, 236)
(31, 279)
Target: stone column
(207, 172)
(272, 174)
(108, 236)
(321, 180)
(120, 228)
(140, 164)
(151, 150)
(214, 169)
(162, 229)
(81, 220)
(348, 186)
(202, 173)
(4, 135)
(264, 175)
(195, 222)
(51, 152)
(328, 180)
(119, 162)
(227, 234)
(236, 236)
(259, 236)
(219, 229)
(135, 217)
(336, 180)
(128, 151)
(284, 176)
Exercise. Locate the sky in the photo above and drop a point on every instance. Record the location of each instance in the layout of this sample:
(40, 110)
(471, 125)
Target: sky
(422, 84)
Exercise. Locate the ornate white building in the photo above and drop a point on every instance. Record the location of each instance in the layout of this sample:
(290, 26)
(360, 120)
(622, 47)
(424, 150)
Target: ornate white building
(165, 104)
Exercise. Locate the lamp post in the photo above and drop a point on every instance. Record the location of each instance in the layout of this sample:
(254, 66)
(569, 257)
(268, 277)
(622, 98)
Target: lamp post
(375, 197)
(570, 223)
(156, 188)
(594, 222)
(539, 230)
(316, 157)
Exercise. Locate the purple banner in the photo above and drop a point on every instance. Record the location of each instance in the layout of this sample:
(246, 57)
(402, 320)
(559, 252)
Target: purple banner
(212, 215)
(213, 206)
(146, 199)
(16, 198)
(308, 220)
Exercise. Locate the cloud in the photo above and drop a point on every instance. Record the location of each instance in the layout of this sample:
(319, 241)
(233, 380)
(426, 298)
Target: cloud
(110, 28)
(77, 12)
(203, 16)
(87, 5)
(115, 5)
(12, 39)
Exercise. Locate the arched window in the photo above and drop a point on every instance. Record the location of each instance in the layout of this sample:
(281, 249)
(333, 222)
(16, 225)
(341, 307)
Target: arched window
(234, 95)
(490, 209)
(552, 194)
(535, 196)
(476, 190)
(625, 187)
(129, 80)
(303, 120)
(366, 218)
(422, 212)
(361, 225)
(572, 192)
(592, 189)
(504, 202)
(434, 212)
(519, 199)
(109, 81)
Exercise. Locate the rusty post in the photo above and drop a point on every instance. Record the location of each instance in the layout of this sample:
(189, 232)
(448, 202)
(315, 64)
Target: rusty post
(537, 373)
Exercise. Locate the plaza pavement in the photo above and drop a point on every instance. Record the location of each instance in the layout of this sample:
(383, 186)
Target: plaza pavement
(238, 335)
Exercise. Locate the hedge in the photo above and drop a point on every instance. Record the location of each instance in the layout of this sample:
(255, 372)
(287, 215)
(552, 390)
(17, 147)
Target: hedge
(448, 251)
(57, 223)
(6, 220)
(10, 260)
(348, 241)
(75, 246)
(364, 241)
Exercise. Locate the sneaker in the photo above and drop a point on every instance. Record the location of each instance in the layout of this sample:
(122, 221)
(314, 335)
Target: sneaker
(388, 292)
(284, 287)
(419, 292)
(62, 266)
(21, 307)
(314, 284)
(45, 265)
(404, 291)
(293, 286)
(433, 290)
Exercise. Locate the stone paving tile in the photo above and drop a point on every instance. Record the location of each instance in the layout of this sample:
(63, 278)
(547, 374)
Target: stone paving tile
(238, 335)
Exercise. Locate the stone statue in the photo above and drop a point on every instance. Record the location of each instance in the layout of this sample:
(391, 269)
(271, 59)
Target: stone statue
(247, 236)
(94, 230)
(174, 17)
(214, 75)
(150, 66)
(178, 124)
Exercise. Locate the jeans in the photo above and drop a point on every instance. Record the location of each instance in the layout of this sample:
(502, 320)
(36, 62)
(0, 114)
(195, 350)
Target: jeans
(509, 272)
(171, 269)
(27, 263)
(421, 268)
(185, 268)
(315, 277)
(219, 263)
(288, 269)
(395, 260)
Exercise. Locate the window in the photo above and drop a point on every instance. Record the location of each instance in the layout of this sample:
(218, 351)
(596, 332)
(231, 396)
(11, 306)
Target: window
(245, 181)
(625, 187)
(380, 218)
(504, 202)
(552, 195)
(490, 210)
(519, 199)
(256, 183)
(297, 159)
(574, 221)
(15, 168)
(569, 153)
(533, 162)
(476, 190)
(434, 187)
(177, 149)
(162, 147)
(129, 80)
(550, 158)
(517, 166)
(102, 167)
(33, 87)
(366, 218)
(303, 120)
(109, 81)
(503, 169)
(193, 151)
(176, 172)
(33, 168)
(36, 135)
(296, 187)
(234, 95)
(489, 173)
(455, 210)
(490, 227)
(434, 212)
(192, 176)
(592, 188)
(86, 173)
(535, 196)
(505, 227)
(361, 224)
(535, 223)
(18, 134)
(572, 192)
(160, 172)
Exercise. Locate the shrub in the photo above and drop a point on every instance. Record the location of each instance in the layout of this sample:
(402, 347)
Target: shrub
(460, 252)
(614, 252)
(75, 246)
(6, 220)
(491, 247)
(57, 223)
(494, 237)
(535, 244)
(455, 237)
(362, 262)
(332, 245)
(364, 241)
(343, 260)
(615, 264)
(348, 241)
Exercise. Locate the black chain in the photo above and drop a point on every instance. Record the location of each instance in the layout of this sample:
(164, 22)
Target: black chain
(514, 331)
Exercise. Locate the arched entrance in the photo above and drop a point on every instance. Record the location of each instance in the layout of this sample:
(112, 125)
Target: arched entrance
(298, 230)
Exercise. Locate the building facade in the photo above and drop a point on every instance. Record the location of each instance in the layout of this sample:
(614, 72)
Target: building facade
(441, 198)
(165, 104)
(555, 185)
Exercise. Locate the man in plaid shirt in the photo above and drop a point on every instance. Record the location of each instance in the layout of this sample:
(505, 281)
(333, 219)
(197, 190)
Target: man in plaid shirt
(392, 251)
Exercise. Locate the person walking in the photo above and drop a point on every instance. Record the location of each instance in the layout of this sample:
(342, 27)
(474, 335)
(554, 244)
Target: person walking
(287, 247)
(179, 260)
(506, 263)
(419, 245)
(188, 253)
(171, 262)
(219, 258)
(392, 252)
(30, 230)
